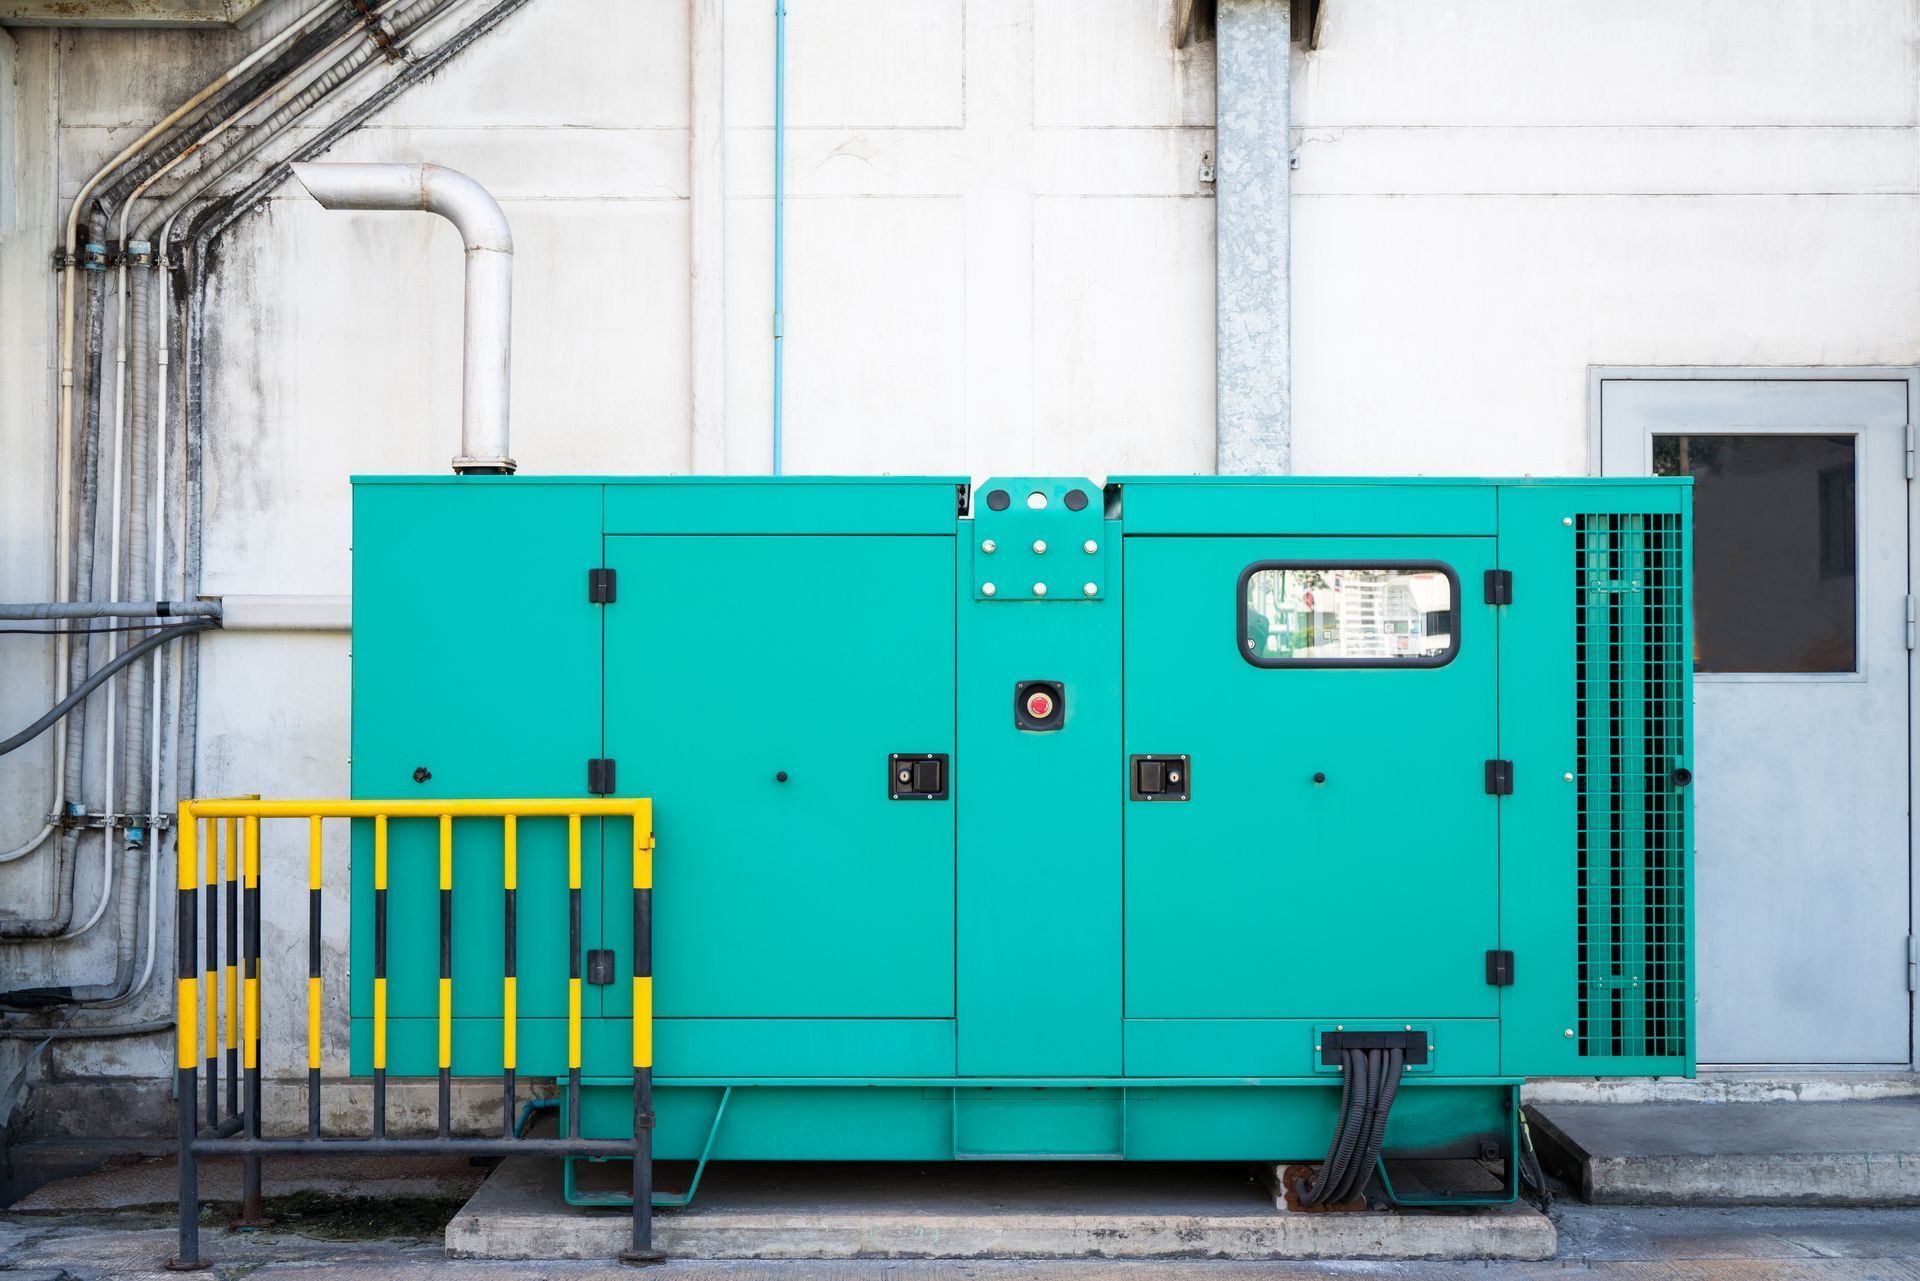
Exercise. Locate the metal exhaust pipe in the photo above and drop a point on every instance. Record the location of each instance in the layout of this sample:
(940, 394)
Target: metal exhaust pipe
(487, 353)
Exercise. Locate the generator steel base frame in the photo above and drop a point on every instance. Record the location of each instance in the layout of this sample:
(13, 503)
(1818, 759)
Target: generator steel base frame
(1459, 1119)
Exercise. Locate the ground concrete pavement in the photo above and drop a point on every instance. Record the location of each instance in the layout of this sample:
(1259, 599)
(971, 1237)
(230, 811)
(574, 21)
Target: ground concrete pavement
(1857, 1152)
(1628, 1243)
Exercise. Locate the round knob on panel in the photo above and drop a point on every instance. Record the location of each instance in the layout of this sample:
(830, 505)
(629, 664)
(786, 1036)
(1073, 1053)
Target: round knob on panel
(421, 773)
(781, 777)
(1319, 777)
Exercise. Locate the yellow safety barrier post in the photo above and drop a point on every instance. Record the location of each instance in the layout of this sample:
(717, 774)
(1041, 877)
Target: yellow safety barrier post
(315, 989)
(446, 975)
(509, 995)
(232, 974)
(202, 870)
(187, 1046)
(573, 976)
(641, 1250)
(380, 976)
(248, 851)
(210, 978)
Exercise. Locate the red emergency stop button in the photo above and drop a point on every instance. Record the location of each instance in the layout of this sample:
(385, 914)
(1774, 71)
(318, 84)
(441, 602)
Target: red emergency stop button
(1039, 705)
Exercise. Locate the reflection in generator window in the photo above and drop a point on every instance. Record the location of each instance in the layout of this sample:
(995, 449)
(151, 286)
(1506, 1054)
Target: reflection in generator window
(1300, 613)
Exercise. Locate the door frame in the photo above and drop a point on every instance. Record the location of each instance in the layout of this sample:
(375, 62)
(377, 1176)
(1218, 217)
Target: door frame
(1599, 375)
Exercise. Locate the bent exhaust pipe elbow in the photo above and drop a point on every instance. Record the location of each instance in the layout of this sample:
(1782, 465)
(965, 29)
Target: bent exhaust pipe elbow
(486, 355)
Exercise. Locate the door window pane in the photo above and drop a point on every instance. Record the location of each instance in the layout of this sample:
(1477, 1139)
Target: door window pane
(1348, 614)
(1773, 550)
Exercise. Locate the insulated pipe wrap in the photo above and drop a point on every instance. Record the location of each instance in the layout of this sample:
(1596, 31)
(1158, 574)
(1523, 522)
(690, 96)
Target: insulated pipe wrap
(110, 609)
(487, 352)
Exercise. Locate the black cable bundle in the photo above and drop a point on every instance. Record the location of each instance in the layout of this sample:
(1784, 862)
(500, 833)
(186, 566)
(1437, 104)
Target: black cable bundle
(1369, 1080)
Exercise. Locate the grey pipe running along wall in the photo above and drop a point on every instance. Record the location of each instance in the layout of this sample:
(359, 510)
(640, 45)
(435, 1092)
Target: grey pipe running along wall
(202, 225)
(1253, 222)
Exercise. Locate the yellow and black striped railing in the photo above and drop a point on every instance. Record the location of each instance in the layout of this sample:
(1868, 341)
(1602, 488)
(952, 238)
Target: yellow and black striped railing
(207, 864)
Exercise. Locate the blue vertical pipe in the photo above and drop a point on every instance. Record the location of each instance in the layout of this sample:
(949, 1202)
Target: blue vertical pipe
(779, 220)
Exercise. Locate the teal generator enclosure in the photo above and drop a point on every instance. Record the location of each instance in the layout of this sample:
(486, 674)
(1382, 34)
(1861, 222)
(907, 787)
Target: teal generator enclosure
(1170, 818)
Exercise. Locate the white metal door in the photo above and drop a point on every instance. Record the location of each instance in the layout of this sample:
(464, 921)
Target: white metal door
(1801, 655)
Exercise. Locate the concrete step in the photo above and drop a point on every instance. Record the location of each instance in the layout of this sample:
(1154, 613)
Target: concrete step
(1862, 1152)
(151, 1181)
(977, 1210)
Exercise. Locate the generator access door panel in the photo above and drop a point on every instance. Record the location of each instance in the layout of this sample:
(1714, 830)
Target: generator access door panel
(1331, 849)
(757, 688)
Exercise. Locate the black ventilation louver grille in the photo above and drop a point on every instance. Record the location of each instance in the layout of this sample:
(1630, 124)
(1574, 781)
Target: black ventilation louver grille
(1630, 708)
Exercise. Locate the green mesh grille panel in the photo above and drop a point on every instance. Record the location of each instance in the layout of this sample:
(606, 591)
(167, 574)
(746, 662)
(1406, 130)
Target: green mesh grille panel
(1631, 680)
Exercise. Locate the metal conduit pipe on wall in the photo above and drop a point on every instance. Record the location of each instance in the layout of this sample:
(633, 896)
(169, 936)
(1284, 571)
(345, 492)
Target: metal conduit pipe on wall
(187, 322)
(112, 609)
(276, 613)
(141, 169)
(137, 516)
(225, 156)
(173, 322)
(129, 455)
(779, 235)
(81, 492)
(70, 489)
(145, 500)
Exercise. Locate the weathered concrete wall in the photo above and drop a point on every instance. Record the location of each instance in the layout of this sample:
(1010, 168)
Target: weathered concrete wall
(1001, 259)
(1493, 196)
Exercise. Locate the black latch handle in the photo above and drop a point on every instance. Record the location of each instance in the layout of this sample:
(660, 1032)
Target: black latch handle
(915, 776)
(1500, 968)
(1160, 778)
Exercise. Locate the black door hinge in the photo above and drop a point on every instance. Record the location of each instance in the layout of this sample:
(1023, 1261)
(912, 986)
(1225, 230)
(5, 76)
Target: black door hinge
(600, 586)
(1500, 969)
(1499, 587)
(600, 966)
(599, 777)
(1499, 778)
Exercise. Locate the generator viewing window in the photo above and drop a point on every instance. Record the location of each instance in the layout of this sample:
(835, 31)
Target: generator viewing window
(1343, 613)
